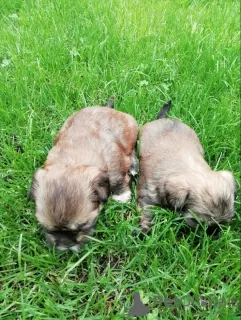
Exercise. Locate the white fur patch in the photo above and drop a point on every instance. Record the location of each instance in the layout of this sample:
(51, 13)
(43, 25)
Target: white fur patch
(72, 226)
(123, 197)
(133, 172)
(75, 248)
(61, 248)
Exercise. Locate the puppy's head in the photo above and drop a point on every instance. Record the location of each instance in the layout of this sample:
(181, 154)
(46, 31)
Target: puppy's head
(209, 197)
(68, 202)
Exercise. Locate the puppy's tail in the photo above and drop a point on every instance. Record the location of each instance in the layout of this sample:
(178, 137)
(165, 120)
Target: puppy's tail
(164, 110)
(110, 103)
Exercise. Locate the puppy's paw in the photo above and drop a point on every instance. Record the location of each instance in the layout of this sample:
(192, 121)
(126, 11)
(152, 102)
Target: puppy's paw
(145, 229)
(139, 234)
(133, 172)
(123, 197)
(134, 169)
(145, 222)
(75, 248)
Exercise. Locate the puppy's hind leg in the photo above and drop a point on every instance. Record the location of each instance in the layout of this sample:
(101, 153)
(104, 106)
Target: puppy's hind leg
(121, 191)
(146, 218)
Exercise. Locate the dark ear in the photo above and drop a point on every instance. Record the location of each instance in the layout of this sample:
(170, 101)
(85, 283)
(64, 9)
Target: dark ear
(228, 176)
(101, 186)
(35, 184)
(176, 192)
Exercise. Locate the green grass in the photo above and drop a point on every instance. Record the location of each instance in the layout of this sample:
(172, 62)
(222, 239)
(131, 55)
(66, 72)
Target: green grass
(59, 56)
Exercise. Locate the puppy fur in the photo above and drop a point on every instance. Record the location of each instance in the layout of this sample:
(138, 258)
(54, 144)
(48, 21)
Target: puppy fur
(174, 175)
(90, 160)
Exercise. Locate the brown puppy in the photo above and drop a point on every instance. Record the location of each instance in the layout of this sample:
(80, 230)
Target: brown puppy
(90, 159)
(174, 175)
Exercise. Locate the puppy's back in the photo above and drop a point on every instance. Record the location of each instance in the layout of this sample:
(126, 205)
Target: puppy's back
(169, 146)
(98, 121)
(170, 135)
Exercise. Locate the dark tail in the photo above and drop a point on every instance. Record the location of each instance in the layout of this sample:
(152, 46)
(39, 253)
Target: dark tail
(110, 103)
(164, 110)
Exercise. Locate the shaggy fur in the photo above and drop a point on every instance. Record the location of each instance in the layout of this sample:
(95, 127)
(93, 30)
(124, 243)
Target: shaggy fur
(90, 159)
(174, 175)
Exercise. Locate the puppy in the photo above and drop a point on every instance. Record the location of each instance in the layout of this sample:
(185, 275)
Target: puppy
(174, 175)
(90, 159)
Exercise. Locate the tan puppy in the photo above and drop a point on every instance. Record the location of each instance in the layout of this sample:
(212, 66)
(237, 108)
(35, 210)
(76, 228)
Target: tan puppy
(174, 175)
(90, 159)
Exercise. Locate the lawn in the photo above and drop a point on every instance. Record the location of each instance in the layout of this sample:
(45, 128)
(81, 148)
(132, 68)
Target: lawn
(59, 56)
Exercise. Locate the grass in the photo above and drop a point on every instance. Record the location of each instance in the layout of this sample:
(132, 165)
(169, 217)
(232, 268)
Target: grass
(59, 56)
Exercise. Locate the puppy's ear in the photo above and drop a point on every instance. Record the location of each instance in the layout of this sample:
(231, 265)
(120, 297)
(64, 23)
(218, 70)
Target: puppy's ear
(229, 178)
(176, 192)
(101, 186)
(35, 184)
